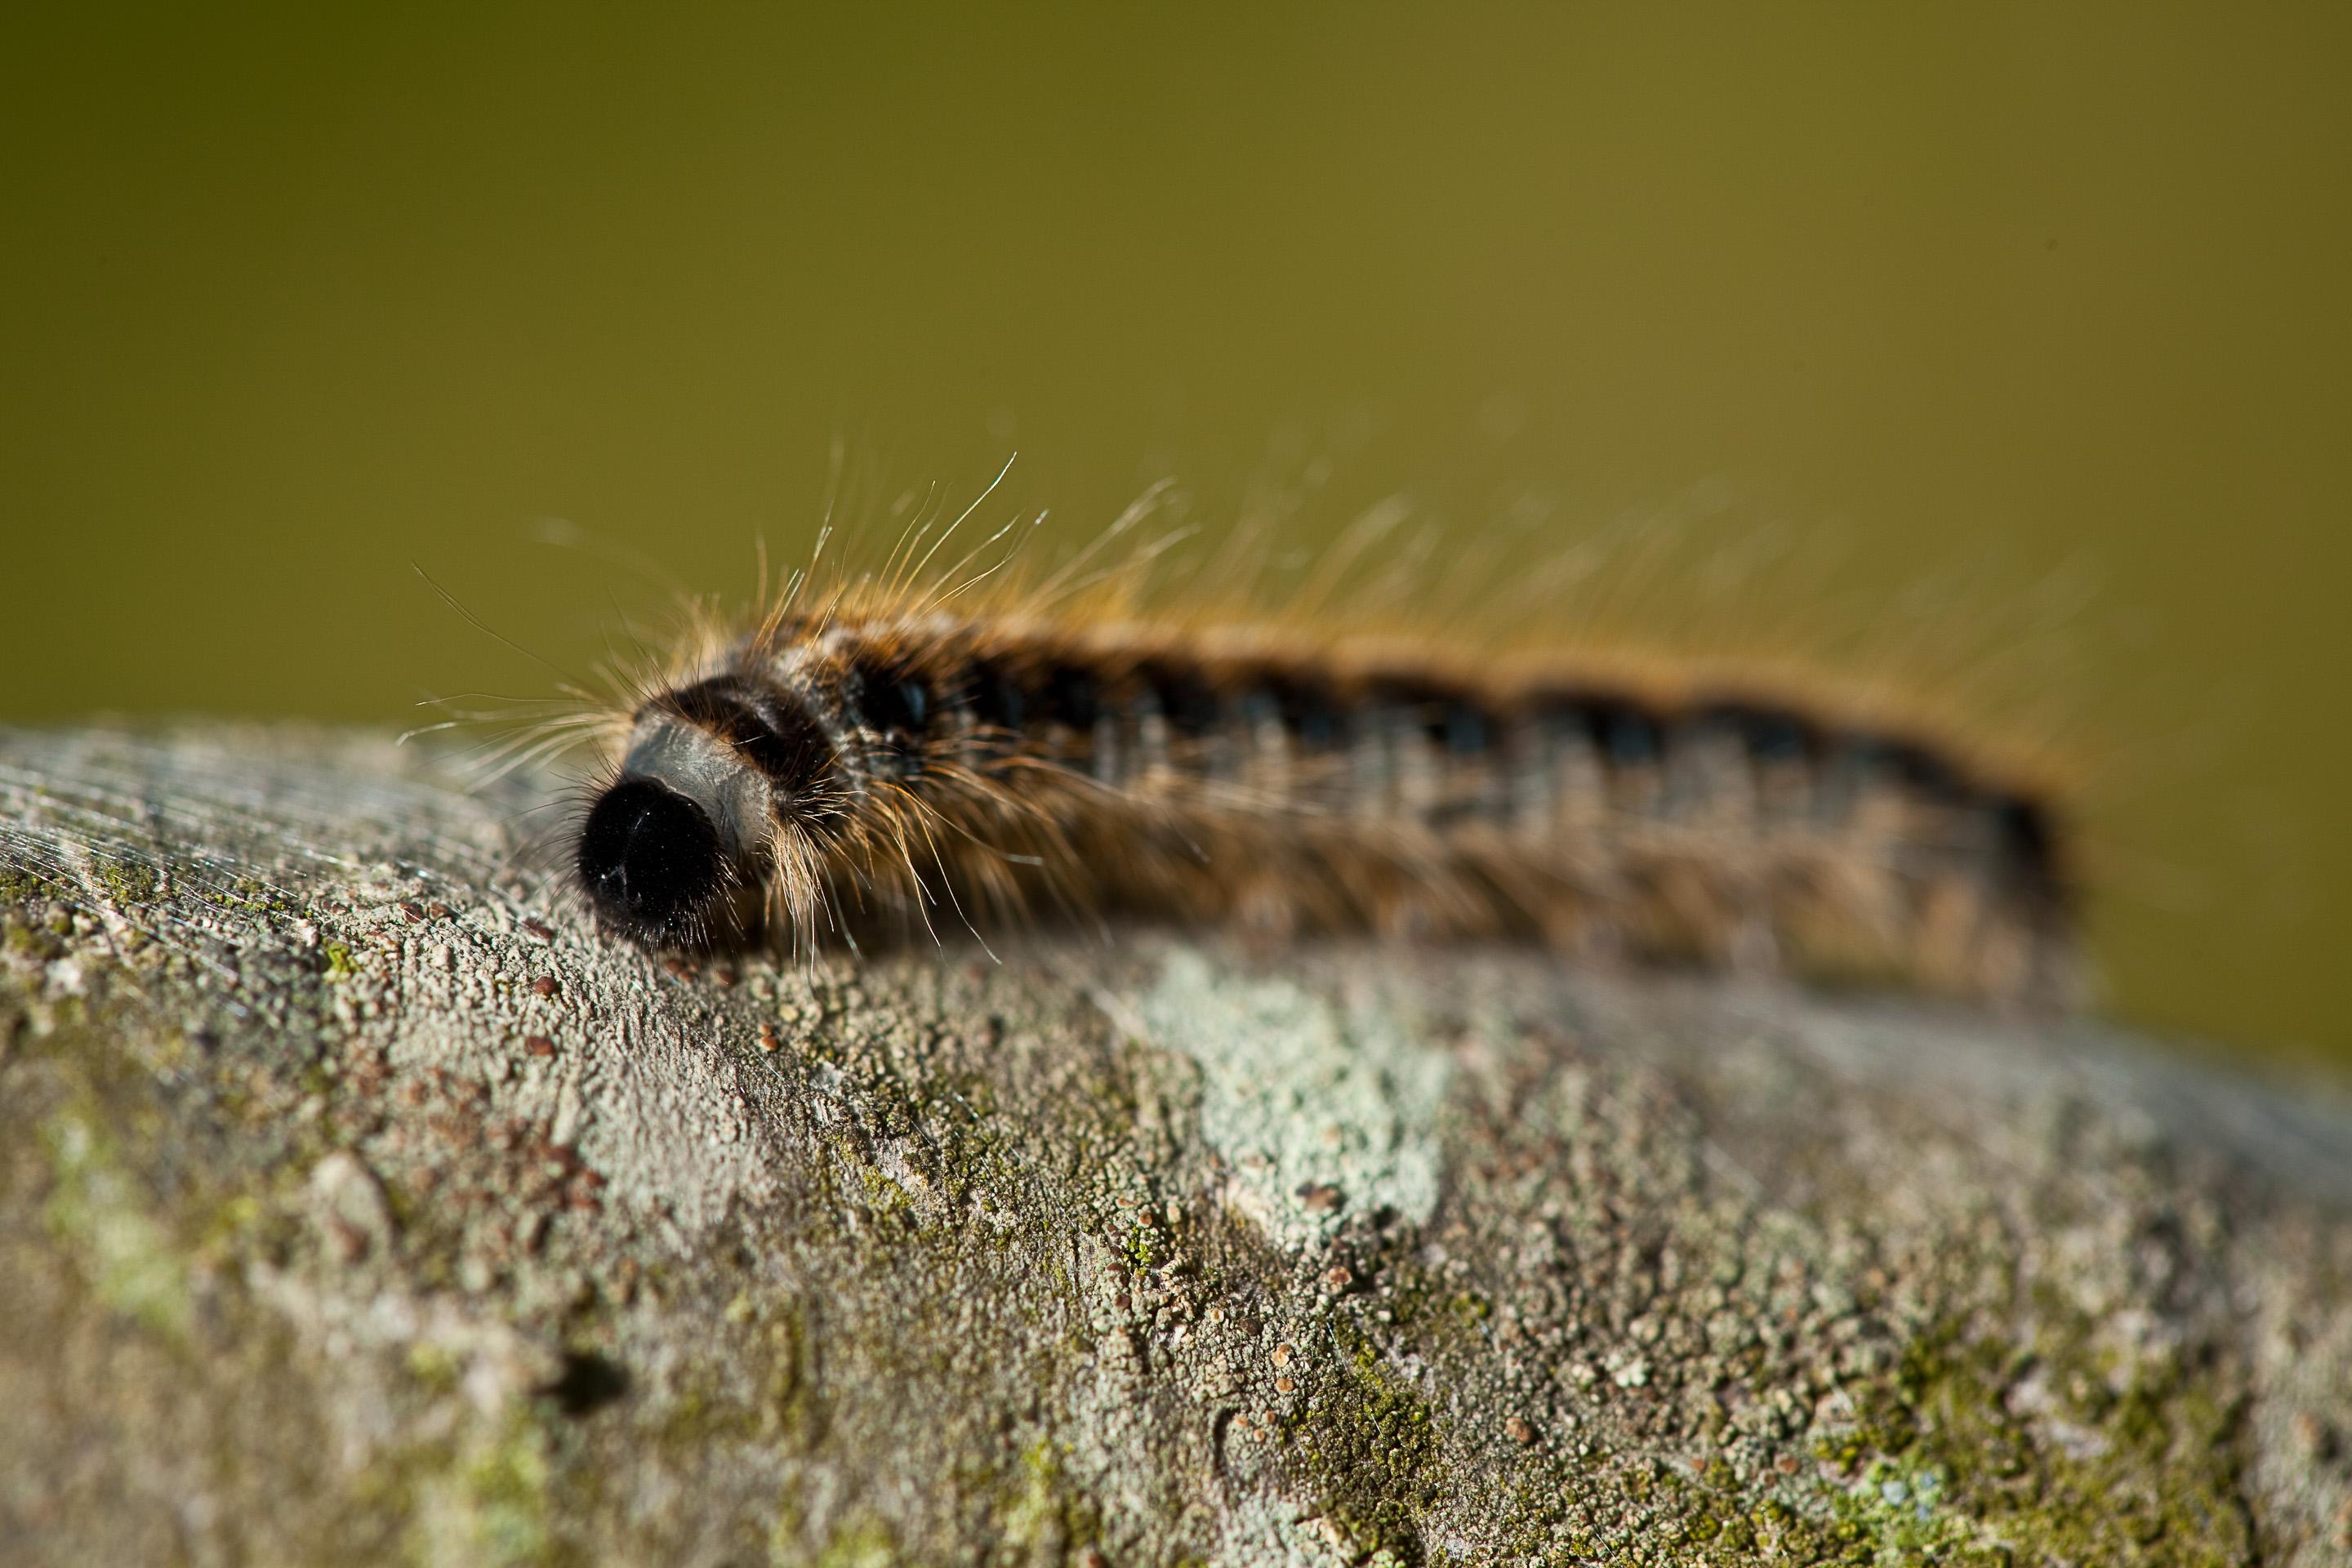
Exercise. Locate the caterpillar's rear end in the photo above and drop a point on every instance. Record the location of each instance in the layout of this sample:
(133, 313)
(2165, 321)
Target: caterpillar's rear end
(855, 775)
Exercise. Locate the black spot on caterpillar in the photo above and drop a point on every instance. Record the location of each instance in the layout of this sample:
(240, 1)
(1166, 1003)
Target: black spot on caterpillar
(887, 763)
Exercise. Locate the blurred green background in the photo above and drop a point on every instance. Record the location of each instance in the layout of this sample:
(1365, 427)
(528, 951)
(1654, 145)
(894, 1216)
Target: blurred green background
(2049, 299)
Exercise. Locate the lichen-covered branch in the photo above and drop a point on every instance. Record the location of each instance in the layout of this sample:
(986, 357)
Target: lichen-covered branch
(357, 1202)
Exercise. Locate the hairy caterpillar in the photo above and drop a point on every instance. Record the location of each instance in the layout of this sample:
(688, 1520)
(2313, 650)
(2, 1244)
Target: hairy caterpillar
(882, 757)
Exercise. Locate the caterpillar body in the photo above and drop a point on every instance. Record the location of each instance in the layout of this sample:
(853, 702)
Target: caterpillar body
(883, 765)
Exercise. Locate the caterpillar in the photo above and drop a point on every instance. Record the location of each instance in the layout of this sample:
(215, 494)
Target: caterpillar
(881, 761)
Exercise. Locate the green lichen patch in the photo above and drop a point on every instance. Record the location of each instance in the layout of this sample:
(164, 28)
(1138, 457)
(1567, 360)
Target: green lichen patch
(2041, 1451)
(1370, 1449)
(130, 882)
(864, 1541)
(95, 1206)
(1045, 1515)
(31, 935)
(489, 1504)
(21, 885)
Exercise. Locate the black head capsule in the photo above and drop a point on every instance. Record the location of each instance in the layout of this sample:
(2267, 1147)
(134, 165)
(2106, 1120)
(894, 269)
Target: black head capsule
(652, 863)
(672, 854)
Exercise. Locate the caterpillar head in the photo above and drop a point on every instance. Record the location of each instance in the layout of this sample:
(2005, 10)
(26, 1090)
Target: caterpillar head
(681, 847)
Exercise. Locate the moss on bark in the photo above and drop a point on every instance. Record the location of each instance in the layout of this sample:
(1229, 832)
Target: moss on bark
(356, 1200)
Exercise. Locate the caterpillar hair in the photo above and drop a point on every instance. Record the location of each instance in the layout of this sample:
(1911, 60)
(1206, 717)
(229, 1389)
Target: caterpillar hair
(902, 752)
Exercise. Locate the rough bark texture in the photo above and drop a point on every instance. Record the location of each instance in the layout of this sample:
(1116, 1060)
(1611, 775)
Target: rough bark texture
(358, 1203)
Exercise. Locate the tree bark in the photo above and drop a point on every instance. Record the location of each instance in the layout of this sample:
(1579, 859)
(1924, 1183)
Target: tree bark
(358, 1202)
